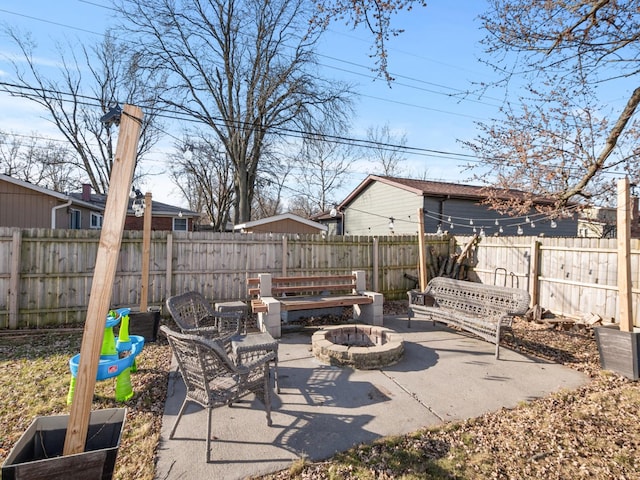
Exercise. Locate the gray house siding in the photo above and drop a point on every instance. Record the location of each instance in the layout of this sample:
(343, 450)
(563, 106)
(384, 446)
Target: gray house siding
(454, 208)
(456, 215)
(371, 211)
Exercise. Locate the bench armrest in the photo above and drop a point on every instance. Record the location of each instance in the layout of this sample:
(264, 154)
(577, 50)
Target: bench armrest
(417, 297)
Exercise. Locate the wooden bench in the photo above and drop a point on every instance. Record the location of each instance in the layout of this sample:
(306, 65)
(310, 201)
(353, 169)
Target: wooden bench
(484, 310)
(271, 296)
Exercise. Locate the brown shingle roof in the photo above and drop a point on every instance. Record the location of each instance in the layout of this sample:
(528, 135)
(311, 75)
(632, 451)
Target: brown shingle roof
(433, 188)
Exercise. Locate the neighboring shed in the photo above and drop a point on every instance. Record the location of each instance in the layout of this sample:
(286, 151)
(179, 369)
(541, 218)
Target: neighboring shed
(286, 223)
(382, 205)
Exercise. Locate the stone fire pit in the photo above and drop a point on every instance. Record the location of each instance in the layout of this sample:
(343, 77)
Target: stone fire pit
(364, 347)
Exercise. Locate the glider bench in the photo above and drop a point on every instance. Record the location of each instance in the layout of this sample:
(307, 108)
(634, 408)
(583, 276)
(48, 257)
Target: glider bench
(273, 296)
(484, 310)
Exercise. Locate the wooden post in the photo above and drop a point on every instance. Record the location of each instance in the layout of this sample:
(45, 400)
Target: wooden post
(14, 278)
(146, 254)
(103, 275)
(624, 256)
(169, 270)
(534, 285)
(422, 251)
(285, 257)
(376, 270)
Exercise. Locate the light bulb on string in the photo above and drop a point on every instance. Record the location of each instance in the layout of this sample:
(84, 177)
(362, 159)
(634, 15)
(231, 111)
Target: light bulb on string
(439, 231)
(482, 234)
(553, 224)
(533, 225)
(497, 222)
(527, 219)
(449, 219)
(501, 230)
(471, 221)
(520, 232)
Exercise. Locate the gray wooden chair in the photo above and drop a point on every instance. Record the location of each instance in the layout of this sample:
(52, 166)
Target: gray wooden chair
(193, 314)
(213, 380)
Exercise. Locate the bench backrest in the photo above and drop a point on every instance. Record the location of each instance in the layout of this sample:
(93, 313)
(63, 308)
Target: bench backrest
(478, 299)
(305, 285)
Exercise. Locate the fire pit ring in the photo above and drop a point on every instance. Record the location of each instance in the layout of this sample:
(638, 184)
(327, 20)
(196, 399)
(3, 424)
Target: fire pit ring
(363, 347)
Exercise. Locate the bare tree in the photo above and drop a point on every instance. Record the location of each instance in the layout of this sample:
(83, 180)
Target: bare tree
(202, 172)
(386, 149)
(374, 15)
(561, 137)
(271, 185)
(323, 166)
(45, 163)
(245, 68)
(11, 162)
(75, 104)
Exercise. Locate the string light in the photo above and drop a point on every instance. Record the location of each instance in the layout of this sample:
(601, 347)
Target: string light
(474, 224)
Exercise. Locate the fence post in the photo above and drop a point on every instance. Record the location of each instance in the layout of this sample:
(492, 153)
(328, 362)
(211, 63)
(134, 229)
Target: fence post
(284, 255)
(624, 255)
(169, 269)
(534, 273)
(422, 252)
(374, 280)
(14, 281)
(146, 252)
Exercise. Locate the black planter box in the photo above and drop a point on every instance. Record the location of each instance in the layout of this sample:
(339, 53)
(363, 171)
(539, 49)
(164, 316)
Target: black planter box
(144, 324)
(619, 351)
(38, 453)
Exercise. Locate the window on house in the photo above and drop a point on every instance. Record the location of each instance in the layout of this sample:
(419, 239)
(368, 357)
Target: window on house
(96, 220)
(75, 219)
(180, 224)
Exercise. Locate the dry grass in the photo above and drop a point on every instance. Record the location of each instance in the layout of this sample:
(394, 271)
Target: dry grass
(34, 369)
(591, 432)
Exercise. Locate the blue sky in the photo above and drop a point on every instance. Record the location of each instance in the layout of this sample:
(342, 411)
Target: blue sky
(433, 61)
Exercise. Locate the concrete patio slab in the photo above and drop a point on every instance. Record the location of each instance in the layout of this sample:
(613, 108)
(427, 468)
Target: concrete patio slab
(321, 410)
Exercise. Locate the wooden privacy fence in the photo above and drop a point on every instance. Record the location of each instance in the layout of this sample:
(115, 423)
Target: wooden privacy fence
(46, 275)
(568, 276)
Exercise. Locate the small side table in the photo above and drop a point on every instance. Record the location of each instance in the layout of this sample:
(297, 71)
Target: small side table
(236, 306)
(245, 345)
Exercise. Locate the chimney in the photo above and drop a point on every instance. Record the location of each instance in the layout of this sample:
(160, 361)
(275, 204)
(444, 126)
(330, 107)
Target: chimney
(86, 192)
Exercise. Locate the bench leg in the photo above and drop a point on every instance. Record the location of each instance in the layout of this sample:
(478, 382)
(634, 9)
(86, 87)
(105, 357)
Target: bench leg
(370, 313)
(498, 332)
(269, 321)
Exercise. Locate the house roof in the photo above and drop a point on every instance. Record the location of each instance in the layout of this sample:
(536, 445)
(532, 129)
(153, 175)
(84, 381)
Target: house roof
(277, 218)
(432, 188)
(97, 201)
(63, 197)
(158, 208)
(327, 216)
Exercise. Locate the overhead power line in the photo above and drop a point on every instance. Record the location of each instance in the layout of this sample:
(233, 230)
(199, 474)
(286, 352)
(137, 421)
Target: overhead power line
(32, 92)
(460, 95)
